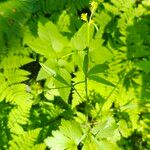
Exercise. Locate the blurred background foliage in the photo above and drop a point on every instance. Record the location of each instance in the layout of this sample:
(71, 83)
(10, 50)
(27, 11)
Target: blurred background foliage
(124, 30)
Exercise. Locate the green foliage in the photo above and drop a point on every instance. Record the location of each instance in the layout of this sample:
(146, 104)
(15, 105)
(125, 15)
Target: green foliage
(68, 83)
(68, 137)
(26, 141)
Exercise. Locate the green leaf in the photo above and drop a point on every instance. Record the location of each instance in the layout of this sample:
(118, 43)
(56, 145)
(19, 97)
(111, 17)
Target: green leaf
(98, 52)
(106, 145)
(64, 92)
(26, 140)
(104, 129)
(85, 64)
(123, 128)
(67, 137)
(77, 98)
(80, 39)
(40, 46)
(48, 70)
(51, 63)
(98, 69)
(14, 61)
(144, 65)
(54, 74)
(50, 33)
(91, 143)
(100, 80)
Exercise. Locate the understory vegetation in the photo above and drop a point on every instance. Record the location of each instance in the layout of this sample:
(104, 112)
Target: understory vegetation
(74, 74)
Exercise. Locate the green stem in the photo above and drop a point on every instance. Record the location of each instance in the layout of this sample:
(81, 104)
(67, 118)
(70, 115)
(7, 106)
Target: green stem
(78, 83)
(113, 90)
(86, 85)
(78, 93)
(86, 89)
(87, 53)
(73, 86)
(67, 55)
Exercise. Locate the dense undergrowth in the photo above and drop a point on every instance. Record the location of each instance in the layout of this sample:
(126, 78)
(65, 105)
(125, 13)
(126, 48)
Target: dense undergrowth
(74, 74)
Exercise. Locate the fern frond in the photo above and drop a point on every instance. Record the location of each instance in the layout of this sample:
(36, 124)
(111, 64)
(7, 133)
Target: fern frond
(26, 141)
(39, 147)
(50, 109)
(116, 7)
(18, 61)
(11, 88)
(79, 4)
(12, 93)
(19, 116)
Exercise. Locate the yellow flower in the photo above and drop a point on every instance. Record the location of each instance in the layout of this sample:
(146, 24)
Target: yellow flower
(84, 16)
(94, 6)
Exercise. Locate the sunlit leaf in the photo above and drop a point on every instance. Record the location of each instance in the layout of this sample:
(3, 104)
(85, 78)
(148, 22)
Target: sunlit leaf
(98, 69)
(100, 80)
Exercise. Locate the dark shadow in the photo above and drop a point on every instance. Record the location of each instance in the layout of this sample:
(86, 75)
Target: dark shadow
(4, 131)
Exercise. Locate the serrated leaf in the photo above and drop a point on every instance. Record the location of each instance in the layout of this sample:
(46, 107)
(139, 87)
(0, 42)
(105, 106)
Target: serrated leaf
(92, 143)
(104, 129)
(98, 69)
(50, 33)
(67, 137)
(26, 140)
(80, 39)
(107, 145)
(100, 80)
(40, 46)
(54, 74)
